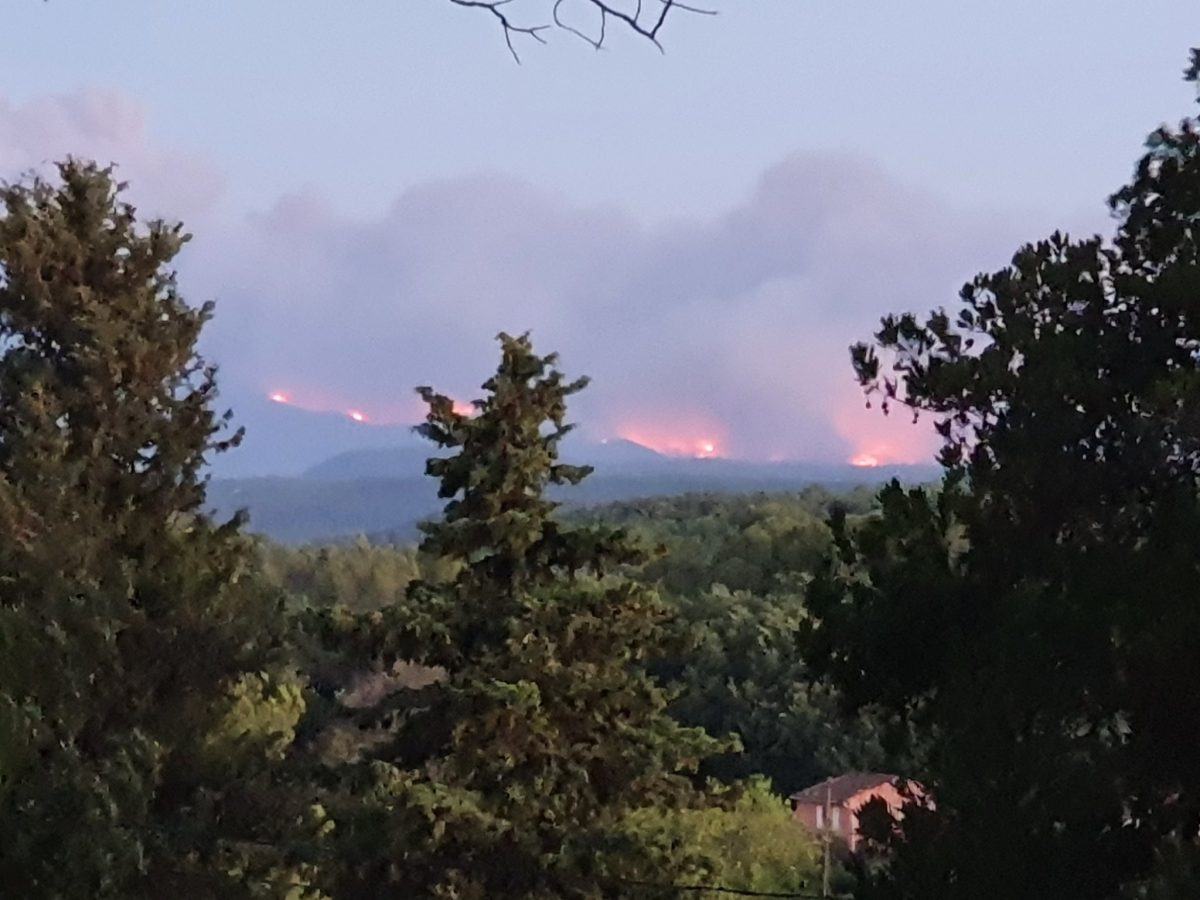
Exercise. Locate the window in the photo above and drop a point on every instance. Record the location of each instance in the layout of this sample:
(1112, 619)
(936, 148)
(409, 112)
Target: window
(835, 816)
(820, 817)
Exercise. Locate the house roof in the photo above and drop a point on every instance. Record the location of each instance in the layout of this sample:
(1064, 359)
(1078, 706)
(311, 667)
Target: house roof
(841, 788)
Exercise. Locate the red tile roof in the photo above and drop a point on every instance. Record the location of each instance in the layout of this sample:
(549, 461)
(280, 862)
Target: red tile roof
(841, 788)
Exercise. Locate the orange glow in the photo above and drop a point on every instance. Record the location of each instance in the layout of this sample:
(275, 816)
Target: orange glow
(699, 436)
(464, 408)
(373, 410)
(873, 439)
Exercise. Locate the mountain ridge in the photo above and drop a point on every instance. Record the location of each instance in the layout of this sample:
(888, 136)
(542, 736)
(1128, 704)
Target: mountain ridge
(357, 493)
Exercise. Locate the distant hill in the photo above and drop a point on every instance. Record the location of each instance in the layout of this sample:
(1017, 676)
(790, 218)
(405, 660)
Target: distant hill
(408, 460)
(614, 452)
(309, 510)
(390, 462)
(285, 440)
(384, 491)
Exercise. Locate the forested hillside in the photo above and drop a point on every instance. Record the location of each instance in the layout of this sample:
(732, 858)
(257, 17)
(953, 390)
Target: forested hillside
(385, 495)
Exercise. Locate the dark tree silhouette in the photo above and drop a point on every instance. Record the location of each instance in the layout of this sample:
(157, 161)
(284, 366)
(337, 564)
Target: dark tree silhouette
(1035, 621)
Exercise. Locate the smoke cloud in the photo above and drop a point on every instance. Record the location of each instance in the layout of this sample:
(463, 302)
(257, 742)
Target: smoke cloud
(110, 128)
(731, 331)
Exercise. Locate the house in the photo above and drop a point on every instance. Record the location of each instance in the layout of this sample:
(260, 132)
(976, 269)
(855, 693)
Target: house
(833, 804)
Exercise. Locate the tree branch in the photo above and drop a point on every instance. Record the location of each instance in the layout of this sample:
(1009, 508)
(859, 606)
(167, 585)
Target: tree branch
(493, 6)
(637, 18)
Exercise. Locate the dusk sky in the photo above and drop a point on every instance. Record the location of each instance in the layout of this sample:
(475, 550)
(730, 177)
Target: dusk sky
(376, 188)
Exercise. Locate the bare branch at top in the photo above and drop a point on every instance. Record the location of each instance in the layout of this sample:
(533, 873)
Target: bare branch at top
(644, 19)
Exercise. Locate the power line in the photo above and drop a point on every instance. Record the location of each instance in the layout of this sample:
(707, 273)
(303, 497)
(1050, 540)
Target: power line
(718, 889)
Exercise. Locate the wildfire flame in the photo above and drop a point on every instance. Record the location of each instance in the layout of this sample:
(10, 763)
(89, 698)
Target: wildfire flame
(874, 440)
(673, 442)
(308, 399)
(693, 433)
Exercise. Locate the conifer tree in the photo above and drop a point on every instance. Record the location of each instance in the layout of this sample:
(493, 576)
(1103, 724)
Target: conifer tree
(131, 728)
(551, 732)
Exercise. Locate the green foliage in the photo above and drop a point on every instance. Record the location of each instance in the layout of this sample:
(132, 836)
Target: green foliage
(761, 543)
(358, 576)
(514, 776)
(737, 670)
(257, 717)
(749, 844)
(498, 524)
(1036, 621)
(735, 569)
(125, 615)
(741, 674)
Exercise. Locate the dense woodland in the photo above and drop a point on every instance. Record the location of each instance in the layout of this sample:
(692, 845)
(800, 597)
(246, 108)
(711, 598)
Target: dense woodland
(732, 571)
(607, 703)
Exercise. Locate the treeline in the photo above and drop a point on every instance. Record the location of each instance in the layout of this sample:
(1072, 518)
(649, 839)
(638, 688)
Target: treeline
(745, 542)
(757, 542)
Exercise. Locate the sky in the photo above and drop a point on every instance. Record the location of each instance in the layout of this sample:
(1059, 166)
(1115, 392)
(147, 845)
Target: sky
(377, 188)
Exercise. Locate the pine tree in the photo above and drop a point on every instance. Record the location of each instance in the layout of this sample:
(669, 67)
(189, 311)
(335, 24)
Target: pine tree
(551, 731)
(499, 526)
(136, 687)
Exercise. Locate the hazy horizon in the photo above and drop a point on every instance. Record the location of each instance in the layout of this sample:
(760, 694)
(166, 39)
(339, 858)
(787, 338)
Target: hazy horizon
(703, 234)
